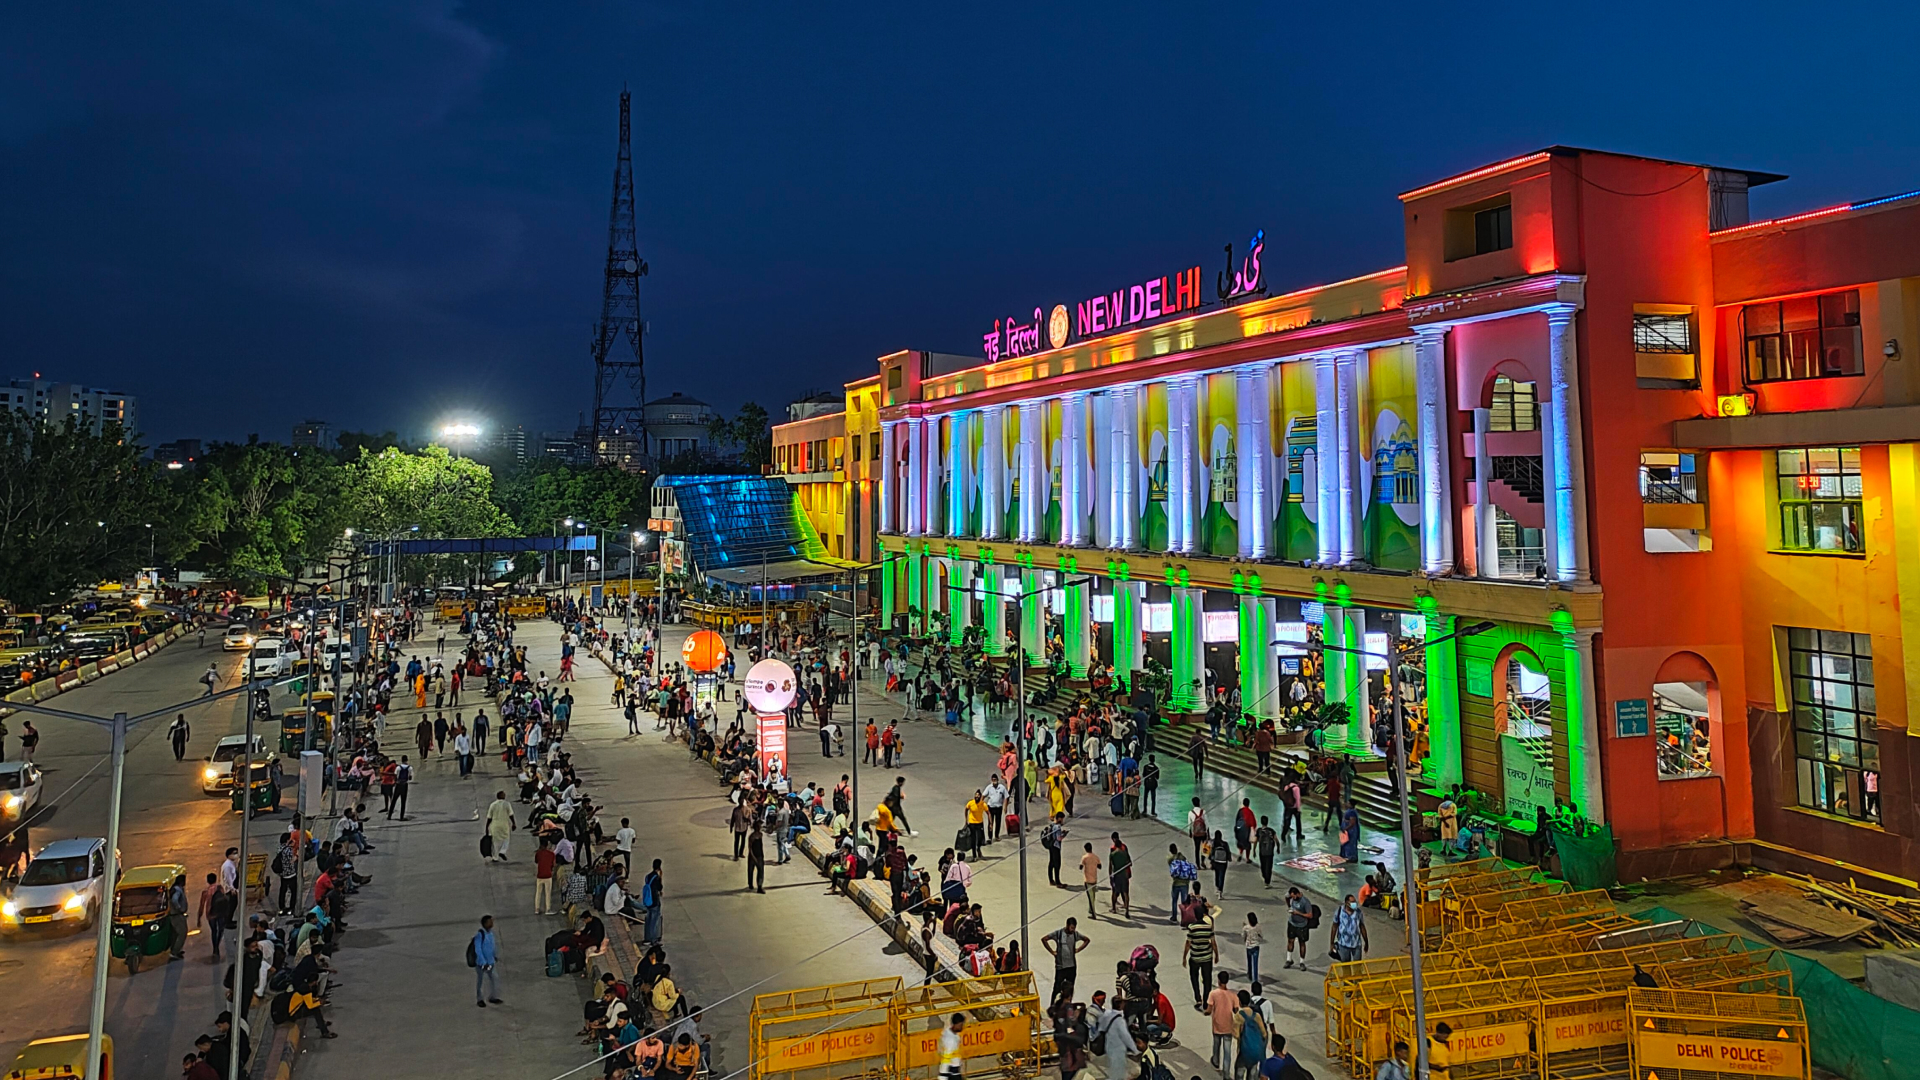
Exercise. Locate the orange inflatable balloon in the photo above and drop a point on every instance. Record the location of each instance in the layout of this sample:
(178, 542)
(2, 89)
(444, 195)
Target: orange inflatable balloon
(704, 651)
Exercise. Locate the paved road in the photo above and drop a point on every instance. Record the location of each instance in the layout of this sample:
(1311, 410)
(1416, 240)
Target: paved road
(152, 1016)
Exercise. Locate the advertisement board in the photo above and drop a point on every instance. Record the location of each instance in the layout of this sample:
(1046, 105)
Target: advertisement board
(772, 744)
(769, 686)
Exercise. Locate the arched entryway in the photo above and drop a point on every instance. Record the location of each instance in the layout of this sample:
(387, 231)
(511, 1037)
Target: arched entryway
(1685, 721)
(1524, 722)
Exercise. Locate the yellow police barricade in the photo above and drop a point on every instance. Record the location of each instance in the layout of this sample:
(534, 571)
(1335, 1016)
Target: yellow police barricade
(1581, 928)
(1495, 1028)
(1369, 1027)
(1757, 971)
(842, 1030)
(1003, 1024)
(1455, 891)
(1556, 943)
(1483, 909)
(1590, 903)
(1700, 1035)
(1429, 884)
(1583, 1023)
(1344, 980)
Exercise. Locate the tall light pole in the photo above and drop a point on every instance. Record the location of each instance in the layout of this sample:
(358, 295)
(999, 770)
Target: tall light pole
(117, 725)
(1408, 852)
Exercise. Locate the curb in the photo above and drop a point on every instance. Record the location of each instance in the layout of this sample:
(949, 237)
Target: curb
(59, 684)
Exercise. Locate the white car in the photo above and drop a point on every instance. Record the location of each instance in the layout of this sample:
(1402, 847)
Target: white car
(19, 789)
(217, 775)
(65, 882)
(239, 638)
(272, 657)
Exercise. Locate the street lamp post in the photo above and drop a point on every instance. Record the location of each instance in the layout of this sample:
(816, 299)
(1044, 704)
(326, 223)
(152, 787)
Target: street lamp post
(1408, 852)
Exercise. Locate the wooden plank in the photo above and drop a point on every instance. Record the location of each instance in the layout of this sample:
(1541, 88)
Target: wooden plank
(1816, 919)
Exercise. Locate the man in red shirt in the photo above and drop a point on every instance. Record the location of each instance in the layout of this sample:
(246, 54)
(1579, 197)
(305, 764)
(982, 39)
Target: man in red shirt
(322, 886)
(544, 861)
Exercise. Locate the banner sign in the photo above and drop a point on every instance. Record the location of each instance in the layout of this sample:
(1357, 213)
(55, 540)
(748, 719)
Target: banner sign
(1717, 1053)
(1492, 1041)
(1586, 1024)
(772, 744)
(828, 1048)
(978, 1039)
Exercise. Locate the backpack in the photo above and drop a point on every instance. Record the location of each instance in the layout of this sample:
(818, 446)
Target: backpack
(1313, 919)
(1098, 1044)
(281, 1008)
(473, 960)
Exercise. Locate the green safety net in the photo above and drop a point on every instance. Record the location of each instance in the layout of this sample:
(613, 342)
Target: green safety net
(1850, 1031)
(1586, 862)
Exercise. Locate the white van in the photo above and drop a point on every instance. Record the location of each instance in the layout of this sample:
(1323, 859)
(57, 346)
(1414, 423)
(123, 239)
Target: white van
(272, 657)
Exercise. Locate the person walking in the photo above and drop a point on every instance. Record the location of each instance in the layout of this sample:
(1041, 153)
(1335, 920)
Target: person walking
(1349, 931)
(1197, 954)
(1120, 877)
(463, 750)
(1253, 937)
(176, 917)
(482, 954)
(1053, 838)
(209, 679)
(423, 737)
(1265, 845)
(1065, 944)
(1219, 1007)
(402, 780)
(1299, 923)
(500, 824)
(977, 823)
(1090, 878)
(1197, 830)
(479, 730)
(1109, 1028)
(741, 823)
(178, 733)
(1150, 785)
(756, 861)
(29, 739)
(651, 893)
(623, 843)
(1219, 857)
(1290, 799)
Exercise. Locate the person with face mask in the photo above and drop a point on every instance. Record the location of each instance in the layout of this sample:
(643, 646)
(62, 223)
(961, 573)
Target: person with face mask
(1349, 930)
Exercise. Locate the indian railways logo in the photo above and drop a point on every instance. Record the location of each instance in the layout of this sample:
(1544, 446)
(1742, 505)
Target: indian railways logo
(1057, 326)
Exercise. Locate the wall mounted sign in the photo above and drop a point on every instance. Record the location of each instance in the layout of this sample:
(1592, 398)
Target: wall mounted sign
(1629, 718)
(1248, 278)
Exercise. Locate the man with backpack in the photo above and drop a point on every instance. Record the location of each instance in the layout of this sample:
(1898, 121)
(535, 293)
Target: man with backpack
(1108, 1035)
(1300, 920)
(1053, 838)
(482, 954)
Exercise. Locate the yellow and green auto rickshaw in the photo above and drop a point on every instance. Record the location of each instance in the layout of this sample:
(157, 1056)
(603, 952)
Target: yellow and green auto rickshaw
(140, 925)
(293, 731)
(263, 788)
(62, 1057)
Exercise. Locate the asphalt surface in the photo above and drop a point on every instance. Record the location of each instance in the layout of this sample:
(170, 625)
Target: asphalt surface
(153, 1016)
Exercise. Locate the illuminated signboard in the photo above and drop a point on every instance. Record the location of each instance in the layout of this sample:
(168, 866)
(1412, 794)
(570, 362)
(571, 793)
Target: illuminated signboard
(1128, 306)
(1220, 626)
(1103, 607)
(1156, 618)
(1376, 645)
(773, 744)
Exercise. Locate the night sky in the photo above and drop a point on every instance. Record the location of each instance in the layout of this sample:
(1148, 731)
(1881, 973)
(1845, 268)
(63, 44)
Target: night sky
(383, 213)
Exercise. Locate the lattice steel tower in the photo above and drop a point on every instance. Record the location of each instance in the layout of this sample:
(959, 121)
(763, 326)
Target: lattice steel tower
(619, 376)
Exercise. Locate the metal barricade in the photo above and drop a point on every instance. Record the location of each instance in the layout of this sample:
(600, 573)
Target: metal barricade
(1700, 1035)
(1495, 1028)
(1454, 892)
(842, 1030)
(1591, 903)
(1345, 980)
(1756, 971)
(1003, 1025)
(1369, 1025)
(1583, 1023)
(1483, 909)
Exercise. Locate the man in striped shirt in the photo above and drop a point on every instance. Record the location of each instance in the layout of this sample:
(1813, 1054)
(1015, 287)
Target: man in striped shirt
(1198, 953)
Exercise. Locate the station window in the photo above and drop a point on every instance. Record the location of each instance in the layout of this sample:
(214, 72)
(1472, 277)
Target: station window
(1514, 407)
(1807, 337)
(1836, 748)
(1820, 499)
(1493, 229)
(1479, 228)
(1654, 333)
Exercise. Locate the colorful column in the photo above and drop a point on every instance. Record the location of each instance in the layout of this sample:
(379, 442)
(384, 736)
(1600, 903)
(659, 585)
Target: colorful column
(1100, 456)
(959, 599)
(1326, 456)
(1903, 473)
(1566, 499)
(993, 611)
(1032, 501)
(1126, 468)
(1444, 765)
(1188, 694)
(1486, 538)
(889, 586)
(1033, 621)
(888, 489)
(1129, 639)
(933, 505)
(916, 478)
(1430, 402)
(1259, 663)
(1073, 469)
(1582, 720)
(1078, 625)
(1254, 453)
(959, 474)
(1351, 447)
(1344, 631)
(916, 592)
(993, 471)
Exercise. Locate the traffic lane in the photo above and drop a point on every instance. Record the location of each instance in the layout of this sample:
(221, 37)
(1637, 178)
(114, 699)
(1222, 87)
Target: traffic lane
(153, 1016)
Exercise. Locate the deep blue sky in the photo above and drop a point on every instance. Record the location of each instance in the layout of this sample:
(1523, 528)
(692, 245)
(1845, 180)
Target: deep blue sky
(377, 213)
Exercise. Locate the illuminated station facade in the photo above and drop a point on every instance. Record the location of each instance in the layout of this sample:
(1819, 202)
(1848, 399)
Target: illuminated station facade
(1668, 452)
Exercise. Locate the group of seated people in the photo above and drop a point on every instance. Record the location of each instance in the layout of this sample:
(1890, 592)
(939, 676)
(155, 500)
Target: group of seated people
(645, 1029)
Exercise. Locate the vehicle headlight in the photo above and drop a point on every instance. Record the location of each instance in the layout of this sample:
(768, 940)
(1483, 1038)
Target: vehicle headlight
(10, 910)
(13, 802)
(75, 902)
(212, 773)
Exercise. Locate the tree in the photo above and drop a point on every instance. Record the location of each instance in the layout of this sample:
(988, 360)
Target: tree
(430, 494)
(540, 495)
(261, 511)
(74, 507)
(747, 438)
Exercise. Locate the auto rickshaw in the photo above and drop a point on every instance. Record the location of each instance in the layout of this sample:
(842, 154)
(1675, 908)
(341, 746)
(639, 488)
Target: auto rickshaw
(62, 1056)
(293, 731)
(140, 924)
(263, 788)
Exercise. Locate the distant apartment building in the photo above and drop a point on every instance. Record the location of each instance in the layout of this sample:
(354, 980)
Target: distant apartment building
(315, 434)
(509, 443)
(178, 454)
(91, 408)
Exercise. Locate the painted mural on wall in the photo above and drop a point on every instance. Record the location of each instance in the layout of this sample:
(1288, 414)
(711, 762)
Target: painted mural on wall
(1218, 466)
(1295, 425)
(1152, 481)
(1392, 468)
